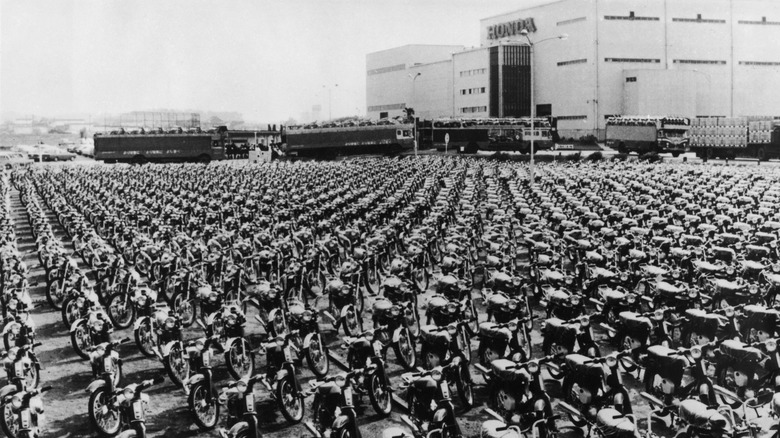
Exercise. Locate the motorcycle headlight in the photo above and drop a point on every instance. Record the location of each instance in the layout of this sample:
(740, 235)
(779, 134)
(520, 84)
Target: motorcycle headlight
(100, 351)
(436, 375)
(369, 336)
(200, 345)
(80, 301)
(575, 300)
(569, 280)
(631, 298)
(776, 268)
(341, 381)
(241, 386)
(730, 270)
(611, 361)
(585, 321)
(692, 293)
(512, 326)
(623, 276)
(452, 308)
(452, 329)
(532, 367)
(696, 352)
(97, 325)
(16, 402)
(395, 311)
(128, 393)
(170, 323)
(512, 304)
(771, 345)
(753, 289)
(729, 311)
(232, 320)
(213, 297)
(658, 315)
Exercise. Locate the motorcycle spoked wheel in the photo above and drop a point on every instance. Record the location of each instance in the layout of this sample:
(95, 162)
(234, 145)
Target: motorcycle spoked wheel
(379, 395)
(317, 357)
(54, 293)
(405, 351)
(464, 385)
(70, 311)
(145, 340)
(121, 310)
(421, 279)
(81, 340)
(463, 341)
(372, 279)
(185, 308)
(292, 406)
(177, 365)
(239, 359)
(109, 423)
(412, 320)
(205, 413)
(352, 323)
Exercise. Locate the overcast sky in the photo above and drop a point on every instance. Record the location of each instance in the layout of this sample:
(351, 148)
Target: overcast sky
(266, 59)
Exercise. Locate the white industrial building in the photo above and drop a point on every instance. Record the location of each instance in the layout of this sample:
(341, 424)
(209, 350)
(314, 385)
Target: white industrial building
(632, 57)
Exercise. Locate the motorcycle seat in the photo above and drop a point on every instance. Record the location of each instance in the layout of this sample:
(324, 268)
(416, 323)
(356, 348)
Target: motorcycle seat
(551, 275)
(635, 323)
(727, 286)
(699, 415)
(708, 267)
(679, 252)
(740, 352)
(674, 229)
(428, 334)
(489, 330)
(704, 323)
(668, 288)
(763, 237)
(671, 367)
(592, 373)
(723, 253)
(612, 295)
(729, 238)
(562, 334)
(660, 240)
(558, 296)
(597, 272)
(751, 265)
(501, 369)
(774, 279)
(381, 305)
(636, 254)
(544, 260)
(691, 240)
(654, 271)
(612, 423)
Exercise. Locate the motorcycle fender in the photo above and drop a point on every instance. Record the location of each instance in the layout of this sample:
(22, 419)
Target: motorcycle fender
(7, 390)
(290, 371)
(272, 315)
(308, 339)
(9, 326)
(167, 348)
(397, 334)
(229, 342)
(238, 428)
(75, 324)
(195, 379)
(95, 385)
(345, 310)
(341, 422)
(139, 322)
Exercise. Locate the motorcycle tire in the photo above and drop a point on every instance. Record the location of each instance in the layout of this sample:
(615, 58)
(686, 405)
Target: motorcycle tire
(121, 310)
(140, 334)
(465, 386)
(184, 307)
(177, 373)
(317, 357)
(69, 312)
(421, 279)
(32, 375)
(97, 400)
(352, 324)
(81, 340)
(286, 399)
(463, 341)
(405, 351)
(205, 414)
(54, 295)
(239, 359)
(379, 395)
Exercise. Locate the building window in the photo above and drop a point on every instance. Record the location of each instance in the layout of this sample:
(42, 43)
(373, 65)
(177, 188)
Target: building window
(574, 61)
(630, 17)
(572, 117)
(377, 71)
(473, 109)
(573, 20)
(698, 19)
(760, 63)
(635, 60)
(477, 90)
(699, 61)
(474, 72)
(383, 115)
(762, 22)
(631, 79)
(394, 106)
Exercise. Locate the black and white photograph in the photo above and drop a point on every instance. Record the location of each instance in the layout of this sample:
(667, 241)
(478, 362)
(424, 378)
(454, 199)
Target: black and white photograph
(390, 218)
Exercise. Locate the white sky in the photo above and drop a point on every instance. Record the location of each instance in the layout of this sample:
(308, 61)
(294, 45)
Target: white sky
(267, 59)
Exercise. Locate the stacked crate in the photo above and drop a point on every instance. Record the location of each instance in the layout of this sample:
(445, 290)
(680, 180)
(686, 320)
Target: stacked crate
(725, 132)
(760, 130)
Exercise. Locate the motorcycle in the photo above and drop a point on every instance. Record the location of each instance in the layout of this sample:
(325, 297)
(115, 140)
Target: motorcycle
(123, 410)
(334, 409)
(428, 398)
(239, 398)
(22, 412)
(199, 386)
(281, 378)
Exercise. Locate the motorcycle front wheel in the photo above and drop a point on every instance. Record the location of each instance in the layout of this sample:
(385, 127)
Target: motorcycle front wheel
(144, 339)
(184, 307)
(120, 310)
(81, 340)
(379, 396)
(9, 421)
(177, 365)
(317, 357)
(205, 412)
(405, 350)
(239, 359)
(106, 423)
(289, 403)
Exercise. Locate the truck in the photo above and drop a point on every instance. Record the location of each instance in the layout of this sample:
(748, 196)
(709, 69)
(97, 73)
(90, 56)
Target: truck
(732, 137)
(648, 134)
(161, 146)
(488, 134)
(347, 139)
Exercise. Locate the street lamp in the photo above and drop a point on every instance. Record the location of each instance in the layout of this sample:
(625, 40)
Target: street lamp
(414, 79)
(531, 44)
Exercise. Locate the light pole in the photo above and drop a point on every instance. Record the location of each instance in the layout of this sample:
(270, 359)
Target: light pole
(531, 44)
(330, 107)
(414, 79)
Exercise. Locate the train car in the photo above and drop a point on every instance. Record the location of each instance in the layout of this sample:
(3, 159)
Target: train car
(502, 134)
(347, 140)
